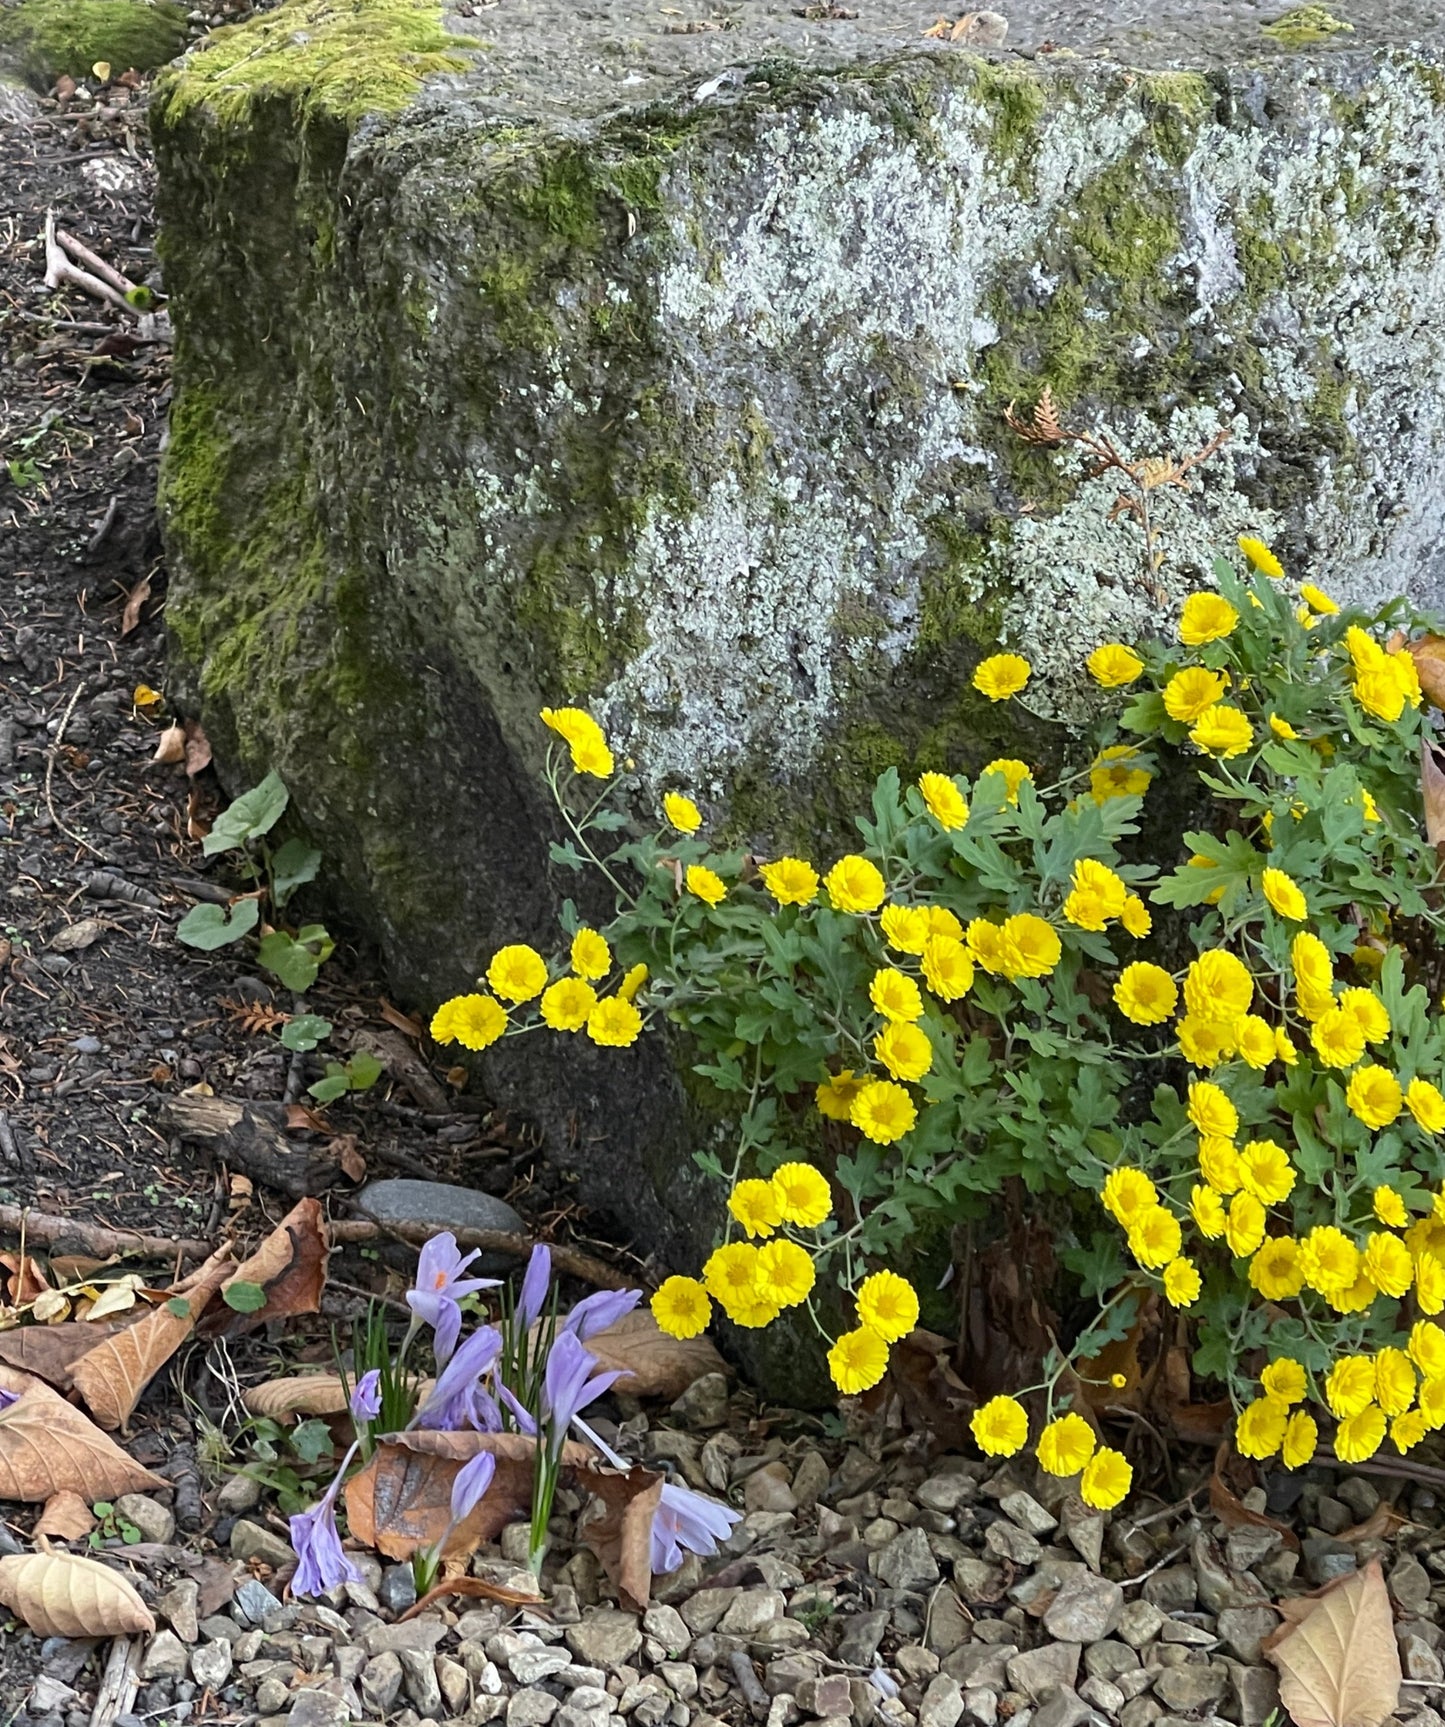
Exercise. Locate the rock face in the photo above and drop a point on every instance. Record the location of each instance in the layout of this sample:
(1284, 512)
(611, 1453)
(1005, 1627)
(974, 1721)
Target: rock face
(566, 353)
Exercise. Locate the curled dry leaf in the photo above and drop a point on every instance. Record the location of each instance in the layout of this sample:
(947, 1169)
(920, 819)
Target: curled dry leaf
(197, 754)
(66, 1516)
(134, 602)
(1231, 1510)
(619, 1527)
(479, 1588)
(1338, 1662)
(52, 1350)
(401, 1500)
(302, 1394)
(171, 745)
(47, 1446)
(653, 1364)
(1432, 792)
(113, 1375)
(27, 1278)
(1428, 653)
(63, 1595)
(289, 1266)
(81, 934)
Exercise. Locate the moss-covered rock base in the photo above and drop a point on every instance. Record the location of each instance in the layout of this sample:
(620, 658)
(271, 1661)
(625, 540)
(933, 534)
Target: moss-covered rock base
(495, 390)
(41, 39)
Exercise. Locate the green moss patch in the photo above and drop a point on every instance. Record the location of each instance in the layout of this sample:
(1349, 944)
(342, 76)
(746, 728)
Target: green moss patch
(44, 39)
(329, 59)
(1305, 27)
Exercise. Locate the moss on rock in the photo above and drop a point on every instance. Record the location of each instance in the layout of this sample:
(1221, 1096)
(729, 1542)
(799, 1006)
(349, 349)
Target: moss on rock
(44, 38)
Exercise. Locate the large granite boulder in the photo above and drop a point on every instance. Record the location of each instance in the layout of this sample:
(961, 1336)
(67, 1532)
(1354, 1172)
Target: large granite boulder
(657, 359)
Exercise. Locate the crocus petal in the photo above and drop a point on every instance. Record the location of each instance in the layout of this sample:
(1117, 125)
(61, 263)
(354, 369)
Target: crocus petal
(8, 1397)
(534, 1287)
(473, 1480)
(451, 1402)
(321, 1564)
(520, 1413)
(690, 1520)
(599, 1311)
(366, 1396)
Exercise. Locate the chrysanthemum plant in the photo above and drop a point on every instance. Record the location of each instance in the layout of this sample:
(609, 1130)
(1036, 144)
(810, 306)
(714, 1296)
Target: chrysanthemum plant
(1240, 1111)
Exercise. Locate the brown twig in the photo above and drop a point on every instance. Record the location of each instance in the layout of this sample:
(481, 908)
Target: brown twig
(565, 1259)
(46, 1231)
(53, 752)
(83, 255)
(59, 271)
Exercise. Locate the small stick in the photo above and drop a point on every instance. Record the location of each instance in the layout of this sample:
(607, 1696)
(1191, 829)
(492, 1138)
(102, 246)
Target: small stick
(1144, 1576)
(59, 270)
(741, 1666)
(565, 1259)
(119, 1683)
(102, 533)
(83, 255)
(48, 1231)
(50, 772)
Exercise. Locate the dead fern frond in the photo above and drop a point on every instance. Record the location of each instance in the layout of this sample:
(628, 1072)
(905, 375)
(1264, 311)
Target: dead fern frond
(253, 1017)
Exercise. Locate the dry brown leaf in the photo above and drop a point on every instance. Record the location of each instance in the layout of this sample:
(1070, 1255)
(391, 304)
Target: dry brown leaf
(346, 1152)
(197, 755)
(479, 1588)
(171, 745)
(47, 1446)
(27, 1280)
(403, 1022)
(134, 601)
(76, 1267)
(1336, 1654)
(621, 1536)
(1383, 1524)
(653, 1364)
(113, 1375)
(63, 1595)
(77, 935)
(1432, 792)
(284, 1399)
(1231, 1510)
(51, 1350)
(66, 1516)
(401, 1500)
(1428, 653)
(289, 1265)
(198, 823)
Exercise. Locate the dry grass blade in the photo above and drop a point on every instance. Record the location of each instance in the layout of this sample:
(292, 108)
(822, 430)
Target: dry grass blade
(1336, 1654)
(63, 1595)
(113, 1375)
(654, 1364)
(47, 1447)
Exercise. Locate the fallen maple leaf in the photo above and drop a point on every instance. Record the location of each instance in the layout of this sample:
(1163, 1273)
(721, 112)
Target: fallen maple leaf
(401, 1500)
(113, 1375)
(47, 1446)
(1336, 1654)
(63, 1595)
(289, 1267)
(652, 1363)
(66, 1516)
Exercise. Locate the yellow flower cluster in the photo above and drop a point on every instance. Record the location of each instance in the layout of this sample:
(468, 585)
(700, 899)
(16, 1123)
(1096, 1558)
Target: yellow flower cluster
(1067, 1446)
(583, 737)
(518, 974)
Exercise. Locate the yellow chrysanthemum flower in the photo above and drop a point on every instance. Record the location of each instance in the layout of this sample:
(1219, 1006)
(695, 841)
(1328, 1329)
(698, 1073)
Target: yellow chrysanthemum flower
(1379, 693)
(835, 1095)
(682, 812)
(895, 995)
(1218, 986)
(1394, 1380)
(1329, 1260)
(883, 1112)
(1284, 1379)
(1275, 1272)
(1001, 676)
(1266, 1171)
(790, 881)
(632, 982)
(707, 885)
(1066, 1445)
(1219, 1164)
(1254, 1038)
(1207, 1210)
(1260, 556)
(1426, 1104)
(1389, 1207)
(1206, 1042)
(1408, 1429)
(1085, 910)
(614, 1022)
(857, 1361)
(943, 801)
(1011, 771)
(583, 737)
(887, 1304)
(1000, 1427)
(1311, 962)
(1030, 946)
(1430, 1283)
(1301, 1438)
(1145, 993)
(1337, 1038)
(1360, 1436)
(905, 927)
(1388, 1264)
(517, 973)
(1373, 1095)
(804, 1197)
(1106, 1480)
(1207, 617)
(1182, 1283)
(1318, 599)
(1282, 729)
(1284, 1047)
(681, 1307)
(1136, 916)
(590, 955)
(943, 922)
(947, 967)
(1372, 1014)
(1284, 895)
(474, 1021)
(1116, 772)
(904, 1050)
(730, 1275)
(1222, 731)
(1432, 1403)
(855, 884)
(1127, 1194)
(1112, 666)
(1192, 692)
(1350, 1385)
(1259, 1431)
(786, 1273)
(1244, 1225)
(1211, 1111)
(1155, 1237)
(567, 1003)
(755, 1205)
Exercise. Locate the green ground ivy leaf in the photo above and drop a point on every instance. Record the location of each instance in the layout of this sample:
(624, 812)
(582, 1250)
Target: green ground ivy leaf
(292, 867)
(305, 1031)
(211, 926)
(296, 966)
(244, 1297)
(252, 814)
(311, 1441)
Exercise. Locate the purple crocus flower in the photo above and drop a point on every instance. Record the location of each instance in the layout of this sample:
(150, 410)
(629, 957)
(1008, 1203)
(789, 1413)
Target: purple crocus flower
(321, 1564)
(520, 1413)
(366, 1396)
(457, 1399)
(598, 1311)
(569, 1384)
(534, 1288)
(688, 1520)
(473, 1480)
(8, 1397)
(440, 1286)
